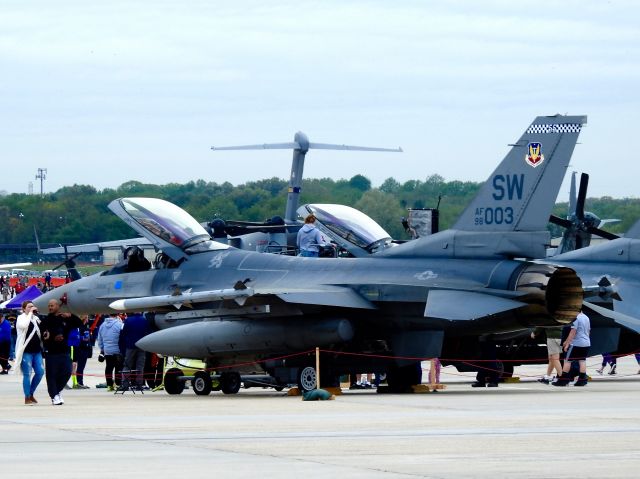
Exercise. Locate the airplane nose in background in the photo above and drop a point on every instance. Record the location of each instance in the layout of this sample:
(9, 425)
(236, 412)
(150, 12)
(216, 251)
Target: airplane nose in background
(41, 302)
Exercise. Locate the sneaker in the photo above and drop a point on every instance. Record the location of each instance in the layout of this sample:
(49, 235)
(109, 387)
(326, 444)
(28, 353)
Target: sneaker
(111, 388)
(613, 370)
(82, 386)
(28, 401)
(77, 386)
(61, 398)
(478, 384)
(492, 385)
(57, 400)
(544, 380)
(33, 400)
(561, 381)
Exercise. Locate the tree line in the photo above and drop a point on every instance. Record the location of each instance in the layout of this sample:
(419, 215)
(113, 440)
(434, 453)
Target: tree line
(79, 213)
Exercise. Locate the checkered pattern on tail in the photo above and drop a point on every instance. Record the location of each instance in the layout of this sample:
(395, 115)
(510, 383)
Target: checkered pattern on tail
(555, 128)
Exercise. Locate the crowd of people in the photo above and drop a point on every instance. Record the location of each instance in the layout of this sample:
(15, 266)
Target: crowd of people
(57, 345)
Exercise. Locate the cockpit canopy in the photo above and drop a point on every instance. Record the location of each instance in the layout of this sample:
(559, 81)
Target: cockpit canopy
(166, 225)
(352, 229)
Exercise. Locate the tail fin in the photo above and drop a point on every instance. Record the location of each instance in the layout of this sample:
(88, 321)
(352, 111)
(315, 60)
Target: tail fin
(520, 194)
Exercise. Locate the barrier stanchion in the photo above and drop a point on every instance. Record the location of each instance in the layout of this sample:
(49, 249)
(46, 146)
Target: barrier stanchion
(317, 368)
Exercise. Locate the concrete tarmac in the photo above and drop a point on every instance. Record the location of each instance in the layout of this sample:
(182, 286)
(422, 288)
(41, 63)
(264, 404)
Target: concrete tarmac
(524, 429)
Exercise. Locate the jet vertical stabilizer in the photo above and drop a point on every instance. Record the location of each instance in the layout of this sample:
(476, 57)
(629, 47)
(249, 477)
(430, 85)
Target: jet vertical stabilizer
(515, 201)
(515, 197)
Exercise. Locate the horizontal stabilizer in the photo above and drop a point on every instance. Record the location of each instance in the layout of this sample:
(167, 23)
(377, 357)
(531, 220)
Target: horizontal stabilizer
(331, 296)
(178, 300)
(622, 319)
(465, 305)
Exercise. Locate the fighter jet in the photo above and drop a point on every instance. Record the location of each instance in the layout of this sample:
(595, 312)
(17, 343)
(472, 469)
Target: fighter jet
(610, 273)
(242, 311)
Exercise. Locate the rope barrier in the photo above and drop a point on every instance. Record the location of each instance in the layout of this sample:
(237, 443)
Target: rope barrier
(473, 363)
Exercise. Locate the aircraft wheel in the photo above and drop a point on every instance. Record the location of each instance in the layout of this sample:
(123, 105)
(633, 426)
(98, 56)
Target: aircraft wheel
(400, 379)
(201, 383)
(230, 383)
(307, 379)
(172, 384)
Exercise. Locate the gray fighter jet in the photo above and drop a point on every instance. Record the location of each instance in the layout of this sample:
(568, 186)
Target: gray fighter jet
(610, 273)
(244, 312)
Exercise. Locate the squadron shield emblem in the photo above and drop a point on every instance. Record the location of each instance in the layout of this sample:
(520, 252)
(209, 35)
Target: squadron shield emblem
(534, 157)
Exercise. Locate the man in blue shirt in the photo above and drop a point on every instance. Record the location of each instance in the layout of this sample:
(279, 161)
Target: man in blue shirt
(576, 347)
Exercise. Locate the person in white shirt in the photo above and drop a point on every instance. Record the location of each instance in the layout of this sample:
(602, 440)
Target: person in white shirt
(576, 347)
(29, 351)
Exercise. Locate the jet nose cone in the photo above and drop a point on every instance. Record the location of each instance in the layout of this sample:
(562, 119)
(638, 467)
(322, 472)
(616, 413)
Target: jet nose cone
(41, 302)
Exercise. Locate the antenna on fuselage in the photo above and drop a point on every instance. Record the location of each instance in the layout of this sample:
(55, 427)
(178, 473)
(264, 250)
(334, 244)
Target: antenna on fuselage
(300, 145)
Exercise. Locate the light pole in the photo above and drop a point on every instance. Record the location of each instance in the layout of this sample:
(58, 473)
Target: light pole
(42, 175)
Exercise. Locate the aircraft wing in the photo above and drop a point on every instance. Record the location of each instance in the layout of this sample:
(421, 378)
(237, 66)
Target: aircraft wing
(622, 319)
(457, 305)
(98, 247)
(14, 265)
(325, 296)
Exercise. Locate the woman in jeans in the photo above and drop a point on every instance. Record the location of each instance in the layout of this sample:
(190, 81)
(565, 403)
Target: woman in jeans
(29, 351)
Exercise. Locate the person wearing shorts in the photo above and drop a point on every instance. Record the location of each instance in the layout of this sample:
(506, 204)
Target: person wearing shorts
(554, 348)
(576, 347)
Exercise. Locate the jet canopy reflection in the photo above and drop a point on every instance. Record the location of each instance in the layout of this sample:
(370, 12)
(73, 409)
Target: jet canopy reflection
(351, 229)
(166, 225)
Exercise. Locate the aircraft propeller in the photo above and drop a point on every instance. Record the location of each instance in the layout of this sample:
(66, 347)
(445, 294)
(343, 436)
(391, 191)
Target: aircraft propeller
(70, 264)
(580, 224)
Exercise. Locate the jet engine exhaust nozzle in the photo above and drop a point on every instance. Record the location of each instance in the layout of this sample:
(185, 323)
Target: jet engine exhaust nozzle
(552, 291)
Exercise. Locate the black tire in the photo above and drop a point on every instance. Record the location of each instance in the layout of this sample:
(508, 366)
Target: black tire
(172, 384)
(201, 383)
(400, 379)
(230, 383)
(307, 379)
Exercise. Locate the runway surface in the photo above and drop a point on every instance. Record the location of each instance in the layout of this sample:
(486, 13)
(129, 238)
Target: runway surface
(525, 429)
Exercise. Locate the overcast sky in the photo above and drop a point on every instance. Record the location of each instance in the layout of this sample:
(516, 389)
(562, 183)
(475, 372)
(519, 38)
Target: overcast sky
(102, 93)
